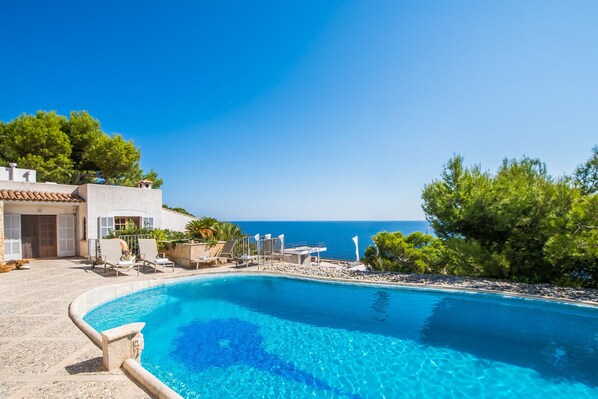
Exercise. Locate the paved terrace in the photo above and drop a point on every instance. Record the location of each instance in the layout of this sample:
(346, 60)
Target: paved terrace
(42, 353)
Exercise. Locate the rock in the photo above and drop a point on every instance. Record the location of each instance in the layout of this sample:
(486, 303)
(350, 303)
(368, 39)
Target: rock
(588, 295)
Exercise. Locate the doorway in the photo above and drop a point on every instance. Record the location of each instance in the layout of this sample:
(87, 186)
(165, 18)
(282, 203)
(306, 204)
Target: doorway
(39, 236)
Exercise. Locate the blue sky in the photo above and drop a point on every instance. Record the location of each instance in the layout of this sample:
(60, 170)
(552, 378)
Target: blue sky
(312, 110)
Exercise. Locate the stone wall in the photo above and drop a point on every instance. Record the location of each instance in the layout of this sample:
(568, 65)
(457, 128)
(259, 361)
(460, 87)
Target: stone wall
(184, 253)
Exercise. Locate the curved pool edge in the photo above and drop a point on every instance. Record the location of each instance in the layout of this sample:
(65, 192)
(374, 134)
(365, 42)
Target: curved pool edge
(95, 297)
(90, 299)
(433, 287)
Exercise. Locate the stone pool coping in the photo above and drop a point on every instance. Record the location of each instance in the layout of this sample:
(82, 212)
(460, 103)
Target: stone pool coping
(89, 300)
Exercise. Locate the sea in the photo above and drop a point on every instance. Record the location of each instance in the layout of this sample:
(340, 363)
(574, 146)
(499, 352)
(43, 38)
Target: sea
(336, 235)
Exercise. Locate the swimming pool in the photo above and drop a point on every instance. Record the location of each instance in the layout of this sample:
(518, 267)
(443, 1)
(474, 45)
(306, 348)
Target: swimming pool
(275, 337)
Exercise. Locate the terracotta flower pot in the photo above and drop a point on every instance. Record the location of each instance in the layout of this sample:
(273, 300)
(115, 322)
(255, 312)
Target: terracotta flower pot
(6, 268)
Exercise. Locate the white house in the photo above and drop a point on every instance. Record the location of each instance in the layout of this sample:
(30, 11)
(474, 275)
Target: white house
(42, 220)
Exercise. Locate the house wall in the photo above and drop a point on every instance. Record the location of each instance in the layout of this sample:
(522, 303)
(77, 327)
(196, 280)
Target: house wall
(105, 201)
(18, 174)
(43, 208)
(46, 208)
(39, 208)
(1, 231)
(101, 201)
(81, 235)
(172, 220)
(49, 187)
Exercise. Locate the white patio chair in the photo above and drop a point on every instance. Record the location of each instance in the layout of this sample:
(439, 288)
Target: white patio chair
(111, 254)
(148, 253)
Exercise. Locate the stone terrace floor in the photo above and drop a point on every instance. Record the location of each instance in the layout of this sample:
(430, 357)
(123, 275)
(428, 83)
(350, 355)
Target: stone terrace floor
(42, 353)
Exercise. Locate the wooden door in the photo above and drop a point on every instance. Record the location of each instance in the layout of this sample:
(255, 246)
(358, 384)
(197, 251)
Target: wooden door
(47, 236)
(30, 228)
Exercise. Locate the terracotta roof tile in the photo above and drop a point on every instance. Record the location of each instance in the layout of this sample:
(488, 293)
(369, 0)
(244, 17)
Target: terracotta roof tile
(41, 196)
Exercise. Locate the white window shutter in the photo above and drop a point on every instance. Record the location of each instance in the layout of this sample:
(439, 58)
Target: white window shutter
(66, 235)
(148, 222)
(105, 226)
(12, 237)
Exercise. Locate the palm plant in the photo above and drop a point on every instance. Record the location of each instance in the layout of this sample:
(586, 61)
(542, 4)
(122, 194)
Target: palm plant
(204, 228)
(228, 231)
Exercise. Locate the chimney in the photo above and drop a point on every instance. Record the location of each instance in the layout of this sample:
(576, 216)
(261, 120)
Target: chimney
(11, 174)
(145, 184)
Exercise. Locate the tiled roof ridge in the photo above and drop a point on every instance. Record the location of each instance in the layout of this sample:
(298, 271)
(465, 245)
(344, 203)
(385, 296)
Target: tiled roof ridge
(41, 196)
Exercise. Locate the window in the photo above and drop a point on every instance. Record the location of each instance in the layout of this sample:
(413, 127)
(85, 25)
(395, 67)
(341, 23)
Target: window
(108, 224)
(84, 228)
(123, 222)
(105, 225)
(148, 222)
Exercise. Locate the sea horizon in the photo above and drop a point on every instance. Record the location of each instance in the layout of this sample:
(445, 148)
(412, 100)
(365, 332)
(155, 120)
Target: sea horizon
(335, 234)
(325, 220)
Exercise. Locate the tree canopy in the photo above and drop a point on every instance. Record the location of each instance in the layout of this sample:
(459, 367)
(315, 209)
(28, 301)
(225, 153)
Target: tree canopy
(519, 223)
(71, 150)
(586, 175)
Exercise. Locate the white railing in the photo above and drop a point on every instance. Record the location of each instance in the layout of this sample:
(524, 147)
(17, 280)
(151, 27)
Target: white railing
(93, 244)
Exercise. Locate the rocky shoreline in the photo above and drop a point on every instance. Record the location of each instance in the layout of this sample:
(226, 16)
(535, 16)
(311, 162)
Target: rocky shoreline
(548, 291)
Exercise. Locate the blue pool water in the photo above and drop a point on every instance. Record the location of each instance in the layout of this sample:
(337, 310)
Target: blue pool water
(274, 337)
(337, 235)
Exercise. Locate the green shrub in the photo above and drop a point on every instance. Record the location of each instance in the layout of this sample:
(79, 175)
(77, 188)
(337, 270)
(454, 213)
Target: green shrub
(468, 258)
(164, 237)
(157, 234)
(573, 251)
(415, 253)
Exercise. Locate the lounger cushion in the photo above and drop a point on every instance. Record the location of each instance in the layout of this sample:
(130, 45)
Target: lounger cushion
(207, 258)
(125, 263)
(162, 261)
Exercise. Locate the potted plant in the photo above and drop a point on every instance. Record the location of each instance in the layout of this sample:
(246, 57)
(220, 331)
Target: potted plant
(6, 267)
(128, 256)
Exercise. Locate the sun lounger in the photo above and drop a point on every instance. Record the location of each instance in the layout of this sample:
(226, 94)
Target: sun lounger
(111, 255)
(205, 259)
(227, 251)
(248, 255)
(148, 252)
(272, 251)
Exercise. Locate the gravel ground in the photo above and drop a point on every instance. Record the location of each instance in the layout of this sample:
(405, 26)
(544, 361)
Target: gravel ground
(547, 291)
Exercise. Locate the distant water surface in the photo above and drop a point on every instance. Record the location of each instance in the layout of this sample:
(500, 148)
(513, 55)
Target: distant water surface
(336, 235)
